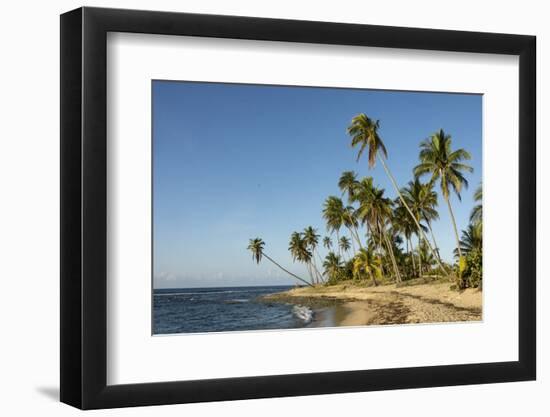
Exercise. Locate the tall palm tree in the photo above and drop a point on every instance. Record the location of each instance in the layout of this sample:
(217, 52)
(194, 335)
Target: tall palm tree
(366, 262)
(256, 246)
(345, 244)
(364, 133)
(332, 265)
(311, 239)
(438, 160)
(327, 242)
(300, 252)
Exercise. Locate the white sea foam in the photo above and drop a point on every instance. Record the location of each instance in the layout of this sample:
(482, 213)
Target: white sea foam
(303, 313)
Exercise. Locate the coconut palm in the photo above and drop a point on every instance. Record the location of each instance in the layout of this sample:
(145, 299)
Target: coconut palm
(336, 216)
(347, 183)
(425, 255)
(300, 252)
(403, 224)
(438, 160)
(422, 200)
(364, 133)
(471, 240)
(327, 242)
(375, 210)
(352, 224)
(256, 246)
(366, 262)
(333, 213)
(476, 216)
(345, 244)
(332, 265)
(311, 238)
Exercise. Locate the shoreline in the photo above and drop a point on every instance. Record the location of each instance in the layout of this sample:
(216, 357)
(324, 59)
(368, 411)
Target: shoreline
(352, 305)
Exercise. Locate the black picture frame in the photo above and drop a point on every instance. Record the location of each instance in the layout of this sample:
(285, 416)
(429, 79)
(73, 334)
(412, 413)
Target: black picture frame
(84, 207)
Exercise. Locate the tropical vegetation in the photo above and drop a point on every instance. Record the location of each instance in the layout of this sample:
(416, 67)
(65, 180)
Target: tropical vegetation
(373, 238)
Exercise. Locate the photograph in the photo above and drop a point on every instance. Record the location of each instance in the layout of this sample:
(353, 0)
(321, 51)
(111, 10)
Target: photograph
(288, 207)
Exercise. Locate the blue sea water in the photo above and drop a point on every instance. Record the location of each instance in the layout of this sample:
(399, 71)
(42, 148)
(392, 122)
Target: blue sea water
(198, 310)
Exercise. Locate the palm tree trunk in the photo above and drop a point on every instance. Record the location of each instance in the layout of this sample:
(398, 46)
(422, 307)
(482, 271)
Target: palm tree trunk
(456, 231)
(433, 239)
(412, 256)
(352, 242)
(357, 237)
(419, 257)
(338, 243)
(319, 276)
(392, 257)
(286, 270)
(392, 179)
(373, 279)
(310, 271)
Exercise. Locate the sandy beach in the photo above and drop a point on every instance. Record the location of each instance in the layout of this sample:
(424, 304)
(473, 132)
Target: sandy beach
(350, 305)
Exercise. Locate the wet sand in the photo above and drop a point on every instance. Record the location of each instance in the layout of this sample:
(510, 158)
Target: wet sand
(349, 305)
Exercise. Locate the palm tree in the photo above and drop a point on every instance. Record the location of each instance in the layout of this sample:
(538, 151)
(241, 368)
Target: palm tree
(256, 246)
(375, 210)
(438, 160)
(311, 239)
(345, 244)
(333, 213)
(347, 183)
(332, 265)
(327, 242)
(364, 132)
(352, 224)
(337, 215)
(366, 262)
(476, 216)
(472, 239)
(422, 200)
(405, 225)
(300, 252)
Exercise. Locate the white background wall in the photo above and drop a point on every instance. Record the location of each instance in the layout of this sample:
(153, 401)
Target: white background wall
(29, 208)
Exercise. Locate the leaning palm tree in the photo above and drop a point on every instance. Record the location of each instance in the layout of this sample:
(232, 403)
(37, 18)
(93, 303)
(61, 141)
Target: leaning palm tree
(366, 262)
(438, 160)
(364, 133)
(345, 244)
(311, 238)
(332, 265)
(256, 246)
(327, 242)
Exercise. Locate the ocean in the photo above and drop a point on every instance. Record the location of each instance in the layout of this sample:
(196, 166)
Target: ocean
(223, 309)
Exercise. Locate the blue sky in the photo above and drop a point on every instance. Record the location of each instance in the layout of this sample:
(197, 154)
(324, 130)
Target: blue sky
(233, 162)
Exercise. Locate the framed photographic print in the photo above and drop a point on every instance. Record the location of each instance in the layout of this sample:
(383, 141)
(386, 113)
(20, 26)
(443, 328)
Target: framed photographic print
(257, 208)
